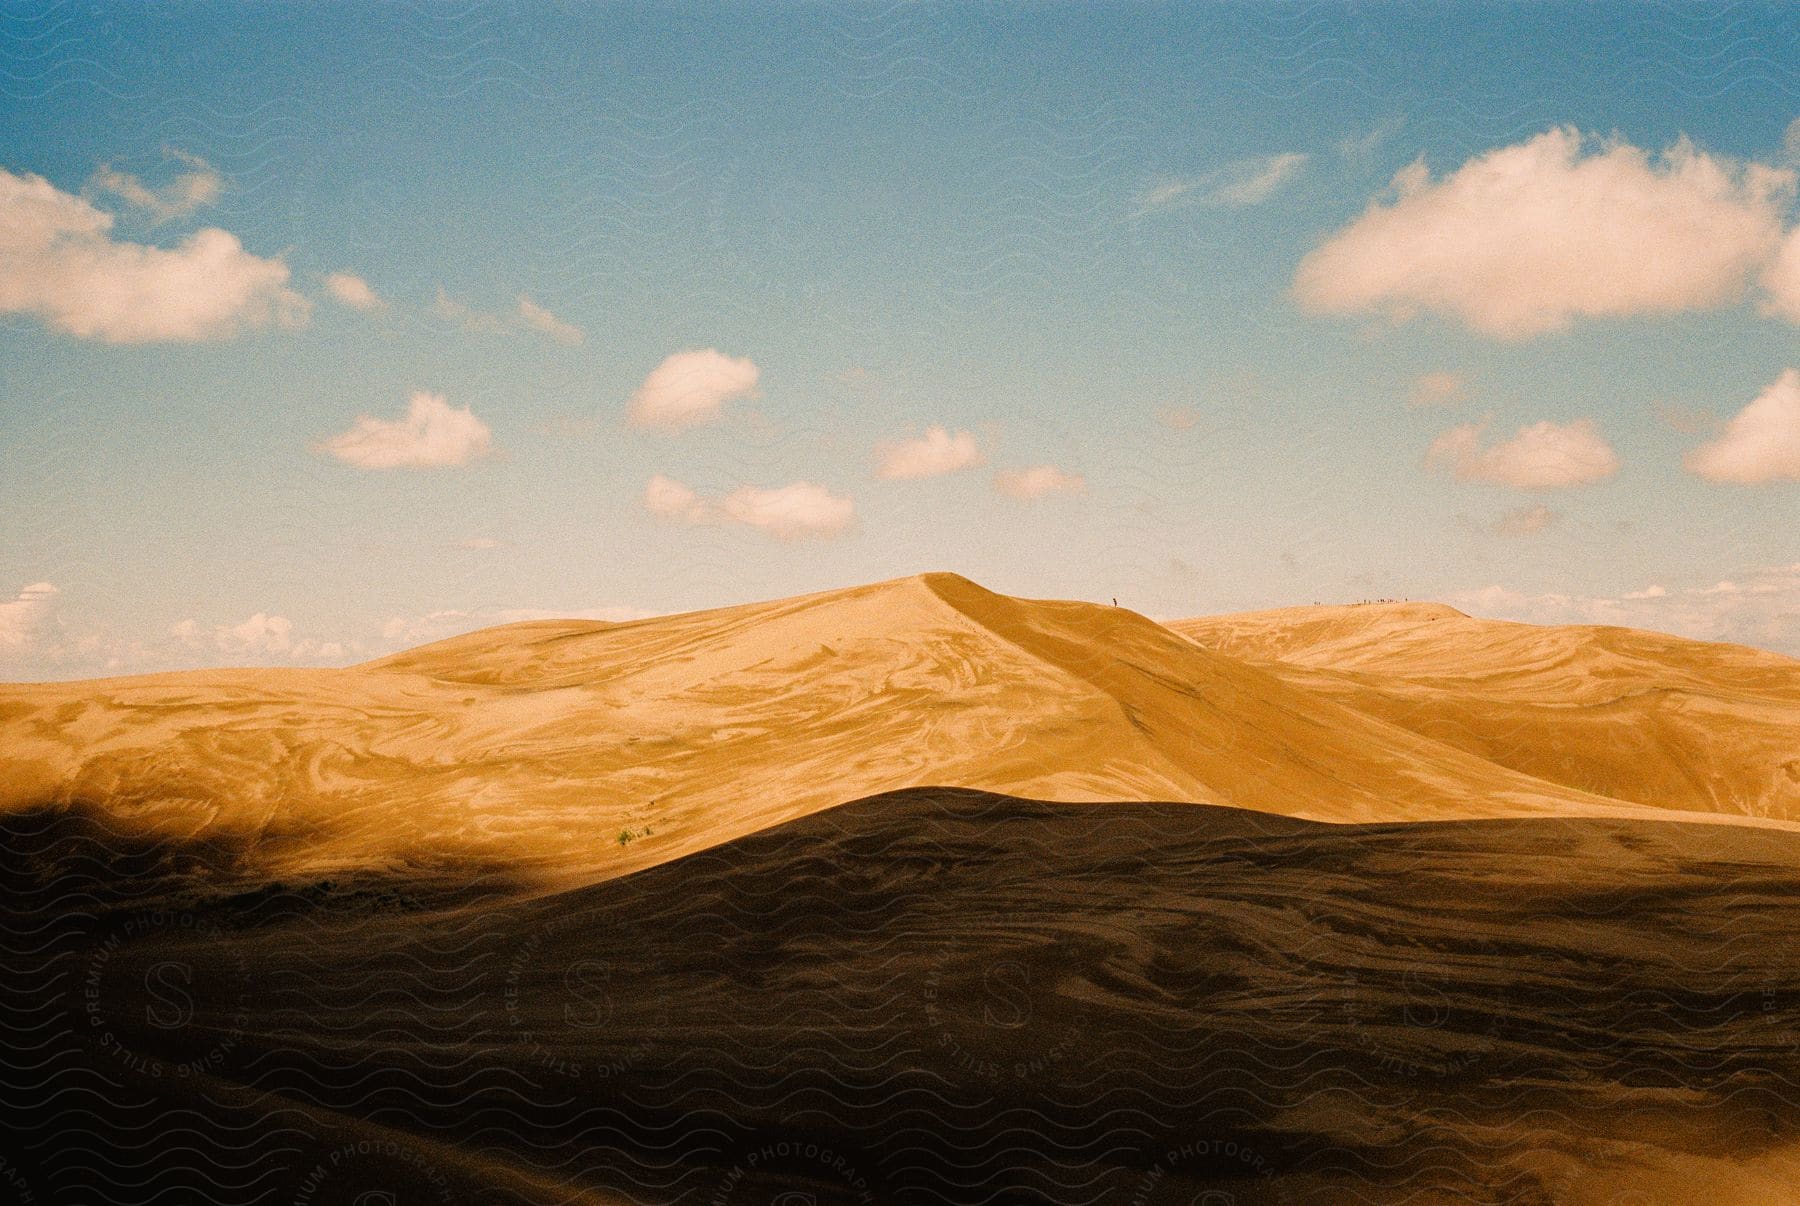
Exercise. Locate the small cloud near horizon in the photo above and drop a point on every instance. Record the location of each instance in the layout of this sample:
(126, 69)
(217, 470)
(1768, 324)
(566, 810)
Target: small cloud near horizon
(797, 511)
(22, 617)
(1759, 607)
(1542, 456)
(260, 636)
(933, 454)
(690, 389)
(1038, 481)
(433, 434)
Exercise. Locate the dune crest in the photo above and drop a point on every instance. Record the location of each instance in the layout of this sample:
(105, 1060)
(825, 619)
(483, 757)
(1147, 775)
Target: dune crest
(577, 750)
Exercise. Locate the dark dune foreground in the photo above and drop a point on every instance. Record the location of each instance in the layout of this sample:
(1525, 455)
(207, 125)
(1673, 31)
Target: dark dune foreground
(936, 996)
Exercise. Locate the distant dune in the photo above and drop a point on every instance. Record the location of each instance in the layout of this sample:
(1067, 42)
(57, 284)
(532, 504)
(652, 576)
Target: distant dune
(1636, 716)
(566, 751)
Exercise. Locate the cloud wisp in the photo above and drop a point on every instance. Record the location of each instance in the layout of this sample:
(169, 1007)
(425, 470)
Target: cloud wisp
(541, 320)
(528, 316)
(190, 190)
(797, 511)
(1242, 183)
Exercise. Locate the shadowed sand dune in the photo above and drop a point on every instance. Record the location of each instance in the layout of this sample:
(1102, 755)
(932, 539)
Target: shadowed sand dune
(573, 750)
(1636, 716)
(948, 996)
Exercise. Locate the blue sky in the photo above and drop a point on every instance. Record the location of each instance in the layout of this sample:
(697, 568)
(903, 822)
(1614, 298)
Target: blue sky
(1076, 234)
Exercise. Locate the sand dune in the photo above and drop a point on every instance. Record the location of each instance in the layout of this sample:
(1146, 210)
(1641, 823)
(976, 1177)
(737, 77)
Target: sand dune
(1636, 716)
(572, 912)
(945, 996)
(540, 746)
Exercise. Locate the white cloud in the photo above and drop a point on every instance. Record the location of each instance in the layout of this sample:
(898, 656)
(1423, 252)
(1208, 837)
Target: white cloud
(797, 511)
(1543, 456)
(1525, 239)
(670, 499)
(1038, 481)
(1760, 608)
(540, 319)
(528, 316)
(348, 289)
(1244, 182)
(190, 190)
(1438, 389)
(1761, 443)
(24, 616)
(691, 388)
(433, 433)
(1526, 521)
(792, 512)
(59, 262)
(933, 454)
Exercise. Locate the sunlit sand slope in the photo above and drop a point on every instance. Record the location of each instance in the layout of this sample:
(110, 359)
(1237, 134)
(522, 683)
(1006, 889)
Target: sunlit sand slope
(575, 749)
(1638, 716)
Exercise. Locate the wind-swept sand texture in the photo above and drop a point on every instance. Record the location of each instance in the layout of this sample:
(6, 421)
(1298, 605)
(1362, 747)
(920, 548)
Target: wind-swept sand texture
(943, 996)
(1636, 716)
(536, 747)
